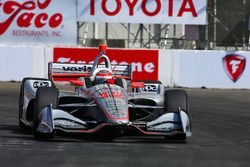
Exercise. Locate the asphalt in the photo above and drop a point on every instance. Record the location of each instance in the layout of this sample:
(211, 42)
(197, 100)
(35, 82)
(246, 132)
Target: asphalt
(221, 137)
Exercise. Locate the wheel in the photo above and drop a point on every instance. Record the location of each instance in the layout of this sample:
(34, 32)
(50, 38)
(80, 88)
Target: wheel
(21, 101)
(44, 97)
(177, 137)
(109, 134)
(175, 99)
(20, 111)
(105, 137)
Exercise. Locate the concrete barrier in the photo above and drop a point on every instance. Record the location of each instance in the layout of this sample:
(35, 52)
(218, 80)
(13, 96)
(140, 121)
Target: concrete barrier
(211, 69)
(17, 62)
(177, 68)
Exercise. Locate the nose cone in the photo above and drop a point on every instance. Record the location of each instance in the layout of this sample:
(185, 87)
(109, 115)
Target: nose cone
(116, 109)
(112, 100)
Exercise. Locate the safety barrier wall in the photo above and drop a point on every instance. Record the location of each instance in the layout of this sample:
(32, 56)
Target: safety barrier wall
(211, 69)
(17, 62)
(177, 68)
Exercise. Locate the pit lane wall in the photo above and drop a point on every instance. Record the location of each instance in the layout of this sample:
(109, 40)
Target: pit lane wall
(175, 68)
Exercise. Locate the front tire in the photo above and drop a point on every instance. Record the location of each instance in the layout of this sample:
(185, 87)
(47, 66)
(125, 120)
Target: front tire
(21, 101)
(175, 100)
(22, 125)
(45, 96)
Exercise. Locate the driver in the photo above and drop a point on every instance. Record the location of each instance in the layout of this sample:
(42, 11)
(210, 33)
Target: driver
(102, 76)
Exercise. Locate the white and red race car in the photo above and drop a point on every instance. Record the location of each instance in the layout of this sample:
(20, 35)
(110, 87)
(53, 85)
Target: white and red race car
(105, 101)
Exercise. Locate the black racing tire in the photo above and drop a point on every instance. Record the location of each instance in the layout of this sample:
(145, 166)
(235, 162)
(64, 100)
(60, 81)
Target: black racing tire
(105, 137)
(21, 101)
(109, 134)
(175, 99)
(177, 137)
(44, 97)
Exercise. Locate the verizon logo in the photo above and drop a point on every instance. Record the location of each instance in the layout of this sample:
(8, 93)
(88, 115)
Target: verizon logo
(148, 67)
(77, 69)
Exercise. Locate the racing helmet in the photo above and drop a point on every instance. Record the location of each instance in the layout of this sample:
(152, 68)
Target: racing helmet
(102, 76)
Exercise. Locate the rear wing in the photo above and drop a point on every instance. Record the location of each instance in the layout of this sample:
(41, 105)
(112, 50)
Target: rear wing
(66, 72)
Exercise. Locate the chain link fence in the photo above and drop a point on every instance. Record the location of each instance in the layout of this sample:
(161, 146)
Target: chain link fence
(227, 28)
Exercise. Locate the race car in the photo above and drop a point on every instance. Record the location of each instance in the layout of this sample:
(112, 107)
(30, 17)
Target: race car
(106, 100)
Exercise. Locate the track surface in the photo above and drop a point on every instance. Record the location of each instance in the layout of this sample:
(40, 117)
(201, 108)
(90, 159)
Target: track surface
(221, 137)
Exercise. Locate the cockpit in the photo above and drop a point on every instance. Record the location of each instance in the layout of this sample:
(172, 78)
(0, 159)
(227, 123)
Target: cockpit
(101, 70)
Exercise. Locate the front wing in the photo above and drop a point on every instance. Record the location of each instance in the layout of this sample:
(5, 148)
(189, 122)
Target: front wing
(168, 124)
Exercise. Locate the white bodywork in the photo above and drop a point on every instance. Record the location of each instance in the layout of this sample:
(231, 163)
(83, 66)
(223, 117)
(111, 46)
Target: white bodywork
(114, 101)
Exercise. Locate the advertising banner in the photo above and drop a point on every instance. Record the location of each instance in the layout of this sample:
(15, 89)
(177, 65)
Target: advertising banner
(47, 22)
(210, 69)
(144, 62)
(191, 12)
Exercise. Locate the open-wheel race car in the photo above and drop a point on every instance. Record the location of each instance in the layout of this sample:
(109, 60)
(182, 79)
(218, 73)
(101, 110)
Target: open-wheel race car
(105, 101)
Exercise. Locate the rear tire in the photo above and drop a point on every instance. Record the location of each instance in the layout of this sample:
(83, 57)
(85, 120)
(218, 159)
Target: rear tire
(44, 97)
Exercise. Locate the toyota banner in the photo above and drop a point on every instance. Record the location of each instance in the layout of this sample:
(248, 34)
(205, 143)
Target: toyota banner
(143, 11)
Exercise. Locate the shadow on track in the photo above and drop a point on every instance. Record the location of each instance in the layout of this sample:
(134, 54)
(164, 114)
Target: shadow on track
(14, 132)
